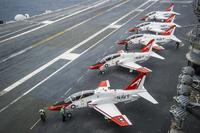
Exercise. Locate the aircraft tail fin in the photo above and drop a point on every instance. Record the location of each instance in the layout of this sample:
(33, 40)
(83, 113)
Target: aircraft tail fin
(149, 46)
(170, 8)
(169, 31)
(170, 19)
(137, 83)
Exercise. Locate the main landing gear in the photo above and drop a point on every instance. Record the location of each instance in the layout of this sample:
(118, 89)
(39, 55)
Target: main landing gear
(68, 115)
(101, 72)
(65, 114)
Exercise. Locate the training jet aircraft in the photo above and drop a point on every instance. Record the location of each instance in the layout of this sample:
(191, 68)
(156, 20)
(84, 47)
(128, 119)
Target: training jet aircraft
(127, 59)
(156, 27)
(103, 100)
(160, 15)
(161, 38)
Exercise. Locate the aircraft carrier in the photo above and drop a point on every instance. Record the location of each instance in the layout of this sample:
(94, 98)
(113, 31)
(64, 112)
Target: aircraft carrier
(45, 58)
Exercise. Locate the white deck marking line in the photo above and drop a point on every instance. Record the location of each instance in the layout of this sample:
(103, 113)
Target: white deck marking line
(30, 47)
(8, 105)
(23, 33)
(75, 13)
(22, 80)
(178, 2)
(68, 91)
(35, 124)
(47, 22)
(18, 30)
(69, 56)
(58, 10)
(37, 23)
(140, 10)
(33, 46)
(79, 78)
(4, 32)
(115, 26)
(16, 54)
(154, 1)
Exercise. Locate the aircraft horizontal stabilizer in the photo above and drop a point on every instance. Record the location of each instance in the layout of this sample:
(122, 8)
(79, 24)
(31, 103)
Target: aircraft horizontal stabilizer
(148, 97)
(158, 47)
(153, 54)
(175, 38)
(175, 13)
(176, 25)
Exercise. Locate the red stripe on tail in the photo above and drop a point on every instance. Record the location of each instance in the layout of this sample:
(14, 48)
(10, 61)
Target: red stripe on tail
(170, 8)
(169, 20)
(136, 82)
(168, 31)
(148, 46)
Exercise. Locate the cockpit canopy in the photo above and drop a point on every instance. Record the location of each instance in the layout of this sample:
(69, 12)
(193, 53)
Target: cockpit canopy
(135, 36)
(151, 13)
(59, 103)
(80, 95)
(142, 24)
(110, 57)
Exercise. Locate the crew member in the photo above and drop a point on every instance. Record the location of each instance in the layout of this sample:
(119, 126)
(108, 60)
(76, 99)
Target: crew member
(62, 112)
(126, 47)
(177, 45)
(42, 115)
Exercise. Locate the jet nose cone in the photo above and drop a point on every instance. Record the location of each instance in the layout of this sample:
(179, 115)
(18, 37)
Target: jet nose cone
(133, 29)
(58, 106)
(96, 66)
(53, 108)
(122, 42)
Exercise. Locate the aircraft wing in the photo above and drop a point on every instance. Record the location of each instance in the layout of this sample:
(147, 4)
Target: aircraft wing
(104, 85)
(134, 66)
(110, 111)
(161, 17)
(156, 30)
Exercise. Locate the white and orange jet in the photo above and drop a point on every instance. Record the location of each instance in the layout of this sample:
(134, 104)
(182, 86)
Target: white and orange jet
(160, 39)
(127, 59)
(160, 15)
(156, 27)
(103, 100)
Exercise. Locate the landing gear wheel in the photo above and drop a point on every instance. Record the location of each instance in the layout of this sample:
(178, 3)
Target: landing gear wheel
(69, 115)
(106, 66)
(101, 72)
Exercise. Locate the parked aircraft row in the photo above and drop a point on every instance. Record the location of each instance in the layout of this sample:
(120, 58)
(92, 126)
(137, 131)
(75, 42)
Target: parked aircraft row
(163, 33)
(128, 59)
(103, 99)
